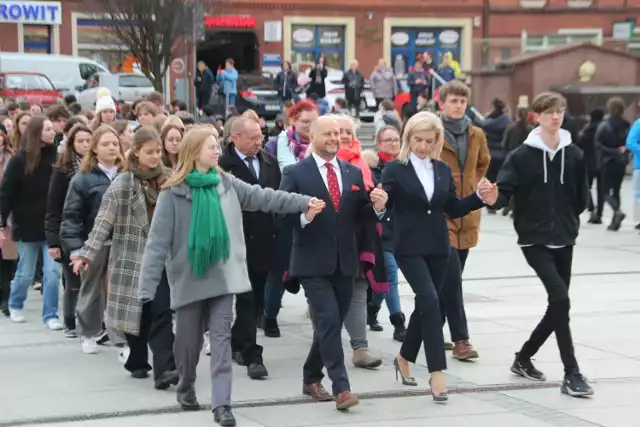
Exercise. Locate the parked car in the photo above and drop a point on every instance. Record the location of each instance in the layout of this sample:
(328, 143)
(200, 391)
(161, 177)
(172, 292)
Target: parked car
(67, 73)
(131, 87)
(29, 88)
(402, 101)
(255, 92)
(335, 89)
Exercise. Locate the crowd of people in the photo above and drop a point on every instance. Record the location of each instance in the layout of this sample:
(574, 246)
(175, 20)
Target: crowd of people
(159, 224)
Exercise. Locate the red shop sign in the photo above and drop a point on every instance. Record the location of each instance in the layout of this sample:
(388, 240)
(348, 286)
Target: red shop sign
(230, 22)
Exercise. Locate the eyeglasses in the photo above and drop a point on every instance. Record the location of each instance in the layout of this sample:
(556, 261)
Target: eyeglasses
(390, 140)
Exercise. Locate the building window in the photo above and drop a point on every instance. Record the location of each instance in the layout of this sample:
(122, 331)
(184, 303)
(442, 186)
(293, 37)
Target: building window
(37, 38)
(309, 42)
(408, 43)
(96, 41)
(539, 43)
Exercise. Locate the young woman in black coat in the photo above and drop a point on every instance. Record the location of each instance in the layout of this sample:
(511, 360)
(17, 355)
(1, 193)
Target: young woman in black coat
(317, 76)
(98, 168)
(78, 142)
(422, 194)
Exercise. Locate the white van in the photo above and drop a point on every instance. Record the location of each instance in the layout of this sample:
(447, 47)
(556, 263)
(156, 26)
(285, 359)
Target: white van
(67, 73)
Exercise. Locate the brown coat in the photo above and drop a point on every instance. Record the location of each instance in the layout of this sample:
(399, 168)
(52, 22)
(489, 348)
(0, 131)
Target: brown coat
(9, 246)
(463, 232)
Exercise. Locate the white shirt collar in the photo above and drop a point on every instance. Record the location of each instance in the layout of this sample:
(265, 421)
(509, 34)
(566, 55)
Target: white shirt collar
(425, 163)
(241, 155)
(321, 162)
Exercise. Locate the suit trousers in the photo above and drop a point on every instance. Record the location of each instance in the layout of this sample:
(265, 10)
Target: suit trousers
(244, 331)
(156, 331)
(92, 298)
(329, 298)
(451, 297)
(425, 275)
(214, 314)
(553, 267)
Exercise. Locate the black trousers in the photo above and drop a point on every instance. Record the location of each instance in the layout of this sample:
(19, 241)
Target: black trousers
(70, 294)
(244, 330)
(7, 271)
(451, 298)
(598, 205)
(353, 103)
(553, 267)
(329, 299)
(156, 331)
(425, 276)
(612, 175)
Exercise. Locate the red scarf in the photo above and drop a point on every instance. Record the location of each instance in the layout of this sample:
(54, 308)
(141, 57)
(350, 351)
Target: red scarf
(385, 157)
(353, 155)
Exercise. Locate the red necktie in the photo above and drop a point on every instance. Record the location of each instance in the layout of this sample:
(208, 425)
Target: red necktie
(334, 188)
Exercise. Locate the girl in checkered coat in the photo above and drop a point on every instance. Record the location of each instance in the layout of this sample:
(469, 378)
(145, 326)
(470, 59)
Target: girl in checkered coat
(125, 214)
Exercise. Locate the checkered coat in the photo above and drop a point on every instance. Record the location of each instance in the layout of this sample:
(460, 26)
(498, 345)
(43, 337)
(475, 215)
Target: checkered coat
(123, 218)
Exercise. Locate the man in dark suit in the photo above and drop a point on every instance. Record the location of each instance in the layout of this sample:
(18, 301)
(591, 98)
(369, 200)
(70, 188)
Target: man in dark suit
(324, 255)
(245, 159)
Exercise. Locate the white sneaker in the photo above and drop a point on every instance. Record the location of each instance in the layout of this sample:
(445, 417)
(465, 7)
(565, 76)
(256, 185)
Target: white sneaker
(16, 315)
(207, 344)
(54, 324)
(89, 345)
(123, 355)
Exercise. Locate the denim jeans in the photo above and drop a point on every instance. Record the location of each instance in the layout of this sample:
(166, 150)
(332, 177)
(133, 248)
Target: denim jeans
(392, 297)
(230, 99)
(27, 260)
(636, 192)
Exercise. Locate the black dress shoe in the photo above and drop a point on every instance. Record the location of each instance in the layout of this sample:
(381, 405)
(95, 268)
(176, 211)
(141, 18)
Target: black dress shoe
(166, 380)
(257, 371)
(223, 416)
(188, 401)
(237, 357)
(271, 328)
(140, 374)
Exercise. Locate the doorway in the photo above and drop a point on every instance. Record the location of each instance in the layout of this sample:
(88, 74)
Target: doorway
(242, 46)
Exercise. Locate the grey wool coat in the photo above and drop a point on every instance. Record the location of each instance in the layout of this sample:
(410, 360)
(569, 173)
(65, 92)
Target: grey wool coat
(122, 218)
(169, 235)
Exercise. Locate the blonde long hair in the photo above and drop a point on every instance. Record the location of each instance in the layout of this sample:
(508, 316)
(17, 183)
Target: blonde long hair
(190, 148)
(423, 121)
(90, 159)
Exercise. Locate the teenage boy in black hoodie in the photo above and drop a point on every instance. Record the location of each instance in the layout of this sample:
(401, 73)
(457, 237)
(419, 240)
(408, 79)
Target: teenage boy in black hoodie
(546, 177)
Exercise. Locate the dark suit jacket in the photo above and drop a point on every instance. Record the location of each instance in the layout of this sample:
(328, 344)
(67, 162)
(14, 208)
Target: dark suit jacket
(259, 228)
(327, 245)
(420, 225)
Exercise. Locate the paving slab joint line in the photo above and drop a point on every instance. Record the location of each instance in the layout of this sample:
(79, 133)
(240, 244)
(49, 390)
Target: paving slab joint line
(286, 401)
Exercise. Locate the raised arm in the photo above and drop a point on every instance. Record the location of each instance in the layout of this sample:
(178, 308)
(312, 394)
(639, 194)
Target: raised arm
(507, 182)
(102, 226)
(256, 198)
(157, 247)
(457, 208)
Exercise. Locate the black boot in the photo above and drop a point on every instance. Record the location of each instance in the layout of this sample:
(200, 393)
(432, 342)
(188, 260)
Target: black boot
(399, 331)
(372, 318)
(594, 218)
(4, 300)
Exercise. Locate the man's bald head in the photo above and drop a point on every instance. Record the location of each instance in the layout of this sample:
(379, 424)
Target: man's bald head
(241, 124)
(246, 135)
(325, 137)
(321, 123)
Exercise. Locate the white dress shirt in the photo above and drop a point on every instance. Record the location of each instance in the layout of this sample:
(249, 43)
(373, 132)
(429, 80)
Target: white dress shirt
(255, 163)
(424, 170)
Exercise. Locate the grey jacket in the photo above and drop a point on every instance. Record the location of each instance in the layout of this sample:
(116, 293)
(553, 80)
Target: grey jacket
(169, 234)
(383, 83)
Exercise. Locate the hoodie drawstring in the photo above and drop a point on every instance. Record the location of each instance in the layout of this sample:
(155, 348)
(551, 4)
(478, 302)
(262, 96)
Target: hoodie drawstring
(544, 166)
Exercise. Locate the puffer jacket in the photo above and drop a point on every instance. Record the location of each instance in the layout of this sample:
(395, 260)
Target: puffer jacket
(81, 207)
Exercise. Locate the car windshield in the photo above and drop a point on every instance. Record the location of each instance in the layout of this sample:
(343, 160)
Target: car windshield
(28, 82)
(134, 81)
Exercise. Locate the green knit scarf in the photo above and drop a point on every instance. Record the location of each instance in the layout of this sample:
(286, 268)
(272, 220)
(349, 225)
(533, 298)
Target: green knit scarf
(208, 234)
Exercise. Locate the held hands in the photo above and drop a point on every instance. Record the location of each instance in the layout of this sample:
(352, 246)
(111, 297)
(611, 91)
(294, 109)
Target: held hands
(379, 198)
(488, 192)
(622, 149)
(314, 208)
(54, 253)
(77, 263)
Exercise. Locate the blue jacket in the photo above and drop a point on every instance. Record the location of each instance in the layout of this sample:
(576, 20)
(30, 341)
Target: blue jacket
(229, 80)
(447, 73)
(633, 143)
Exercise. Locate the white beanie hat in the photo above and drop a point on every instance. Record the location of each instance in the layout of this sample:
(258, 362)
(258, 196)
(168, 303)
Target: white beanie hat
(105, 103)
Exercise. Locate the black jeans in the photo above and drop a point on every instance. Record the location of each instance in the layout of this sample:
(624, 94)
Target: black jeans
(612, 175)
(248, 306)
(7, 270)
(451, 298)
(553, 267)
(425, 276)
(329, 299)
(354, 103)
(156, 331)
(70, 294)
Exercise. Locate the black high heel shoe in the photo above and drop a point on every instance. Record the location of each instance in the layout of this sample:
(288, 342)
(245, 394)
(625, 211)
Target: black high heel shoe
(405, 380)
(440, 397)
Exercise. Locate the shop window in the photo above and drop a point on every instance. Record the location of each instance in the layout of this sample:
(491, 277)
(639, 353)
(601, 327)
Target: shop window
(563, 37)
(96, 41)
(37, 38)
(409, 43)
(309, 42)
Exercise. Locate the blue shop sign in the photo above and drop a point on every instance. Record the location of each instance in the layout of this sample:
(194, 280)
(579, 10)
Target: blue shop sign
(271, 60)
(31, 12)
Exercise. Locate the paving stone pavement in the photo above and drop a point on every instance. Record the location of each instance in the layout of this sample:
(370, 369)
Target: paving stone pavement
(46, 380)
